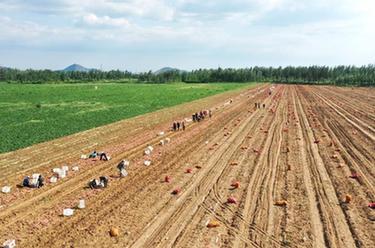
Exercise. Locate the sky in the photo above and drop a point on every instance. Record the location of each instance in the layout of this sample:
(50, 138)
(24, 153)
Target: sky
(142, 35)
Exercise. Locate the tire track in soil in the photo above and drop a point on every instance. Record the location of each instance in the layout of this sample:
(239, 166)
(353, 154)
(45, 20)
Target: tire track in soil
(262, 214)
(351, 152)
(315, 218)
(351, 155)
(349, 117)
(350, 103)
(356, 213)
(205, 182)
(277, 223)
(336, 230)
(184, 209)
(217, 199)
(239, 215)
(225, 214)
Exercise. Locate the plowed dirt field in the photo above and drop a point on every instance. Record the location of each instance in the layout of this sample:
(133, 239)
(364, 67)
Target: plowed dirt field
(286, 169)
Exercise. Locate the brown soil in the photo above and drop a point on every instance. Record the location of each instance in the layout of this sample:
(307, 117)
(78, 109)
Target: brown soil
(290, 164)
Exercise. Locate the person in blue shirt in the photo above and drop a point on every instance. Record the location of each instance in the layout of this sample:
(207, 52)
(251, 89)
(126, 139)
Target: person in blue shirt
(93, 155)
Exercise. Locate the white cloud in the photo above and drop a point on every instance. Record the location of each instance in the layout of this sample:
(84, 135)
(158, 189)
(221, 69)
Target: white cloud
(271, 31)
(93, 19)
(153, 9)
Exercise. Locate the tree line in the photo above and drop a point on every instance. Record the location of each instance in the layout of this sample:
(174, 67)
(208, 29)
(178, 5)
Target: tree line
(338, 75)
(49, 76)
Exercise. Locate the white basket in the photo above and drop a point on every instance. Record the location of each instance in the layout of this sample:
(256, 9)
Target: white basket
(5, 189)
(147, 152)
(147, 162)
(150, 148)
(83, 156)
(161, 133)
(53, 179)
(81, 204)
(68, 212)
(36, 175)
(33, 182)
(11, 243)
(167, 140)
(62, 174)
(75, 168)
(124, 173)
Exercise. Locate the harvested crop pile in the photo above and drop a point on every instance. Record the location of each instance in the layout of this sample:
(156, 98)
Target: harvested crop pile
(232, 200)
(348, 198)
(281, 203)
(176, 191)
(213, 224)
(114, 232)
(235, 184)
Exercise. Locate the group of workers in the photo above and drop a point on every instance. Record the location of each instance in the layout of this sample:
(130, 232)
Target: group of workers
(33, 183)
(102, 182)
(177, 126)
(101, 155)
(197, 117)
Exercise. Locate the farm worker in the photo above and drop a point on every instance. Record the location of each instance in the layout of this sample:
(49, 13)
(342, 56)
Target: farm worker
(40, 181)
(174, 126)
(264, 105)
(103, 156)
(178, 126)
(103, 181)
(201, 115)
(26, 182)
(183, 126)
(193, 117)
(93, 155)
(121, 167)
(197, 117)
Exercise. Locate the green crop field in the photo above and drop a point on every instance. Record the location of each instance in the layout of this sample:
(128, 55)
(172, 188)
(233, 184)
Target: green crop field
(31, 114)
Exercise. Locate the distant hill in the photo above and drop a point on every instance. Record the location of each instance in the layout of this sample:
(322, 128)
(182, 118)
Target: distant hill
(76, 67)
(167, 69)
(3, 67)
